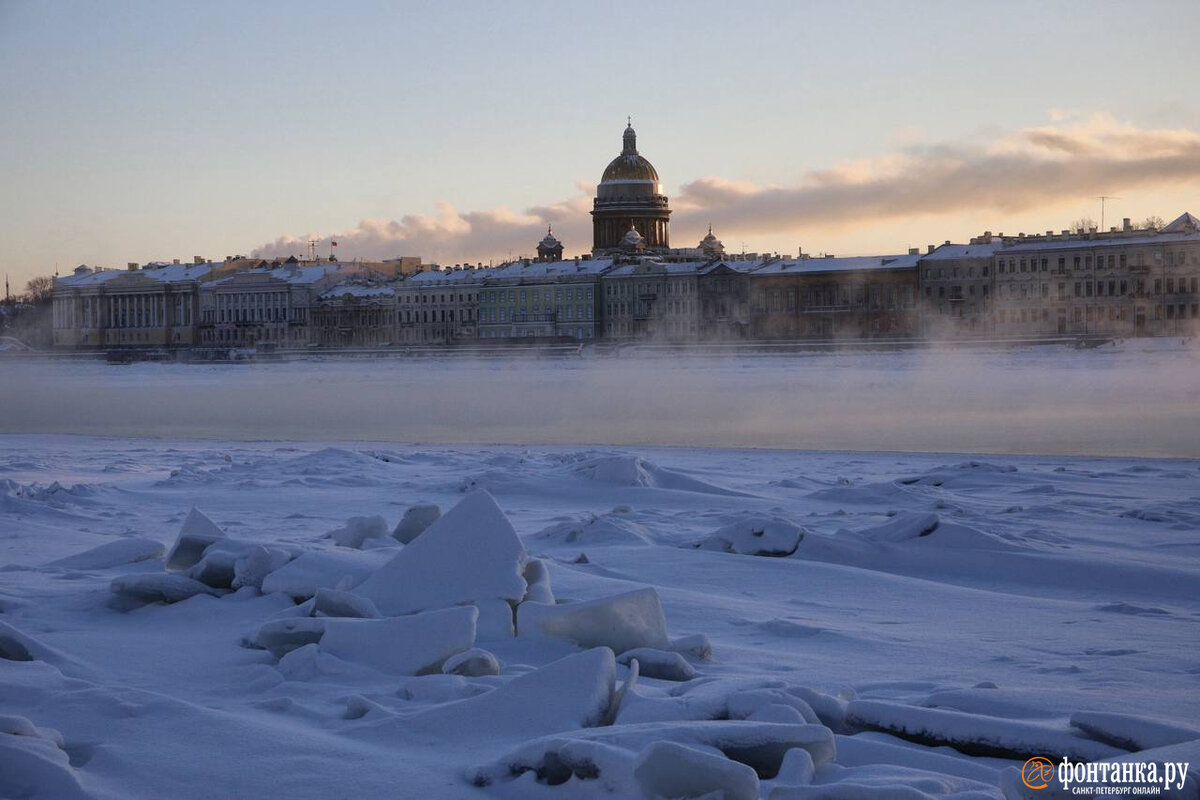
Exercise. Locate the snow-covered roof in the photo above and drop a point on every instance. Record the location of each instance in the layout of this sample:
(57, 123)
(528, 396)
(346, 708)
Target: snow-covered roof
(854, 264)
(1185, 222)
(735, 264)
(947, 252)
(658, 267)
(549, 270)
(1088, 244)
(435, 277)
(171, 273)
(288, 273)
(357, 290)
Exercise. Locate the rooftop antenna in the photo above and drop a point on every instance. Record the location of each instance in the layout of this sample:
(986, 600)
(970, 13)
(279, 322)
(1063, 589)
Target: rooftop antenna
(1102, 198)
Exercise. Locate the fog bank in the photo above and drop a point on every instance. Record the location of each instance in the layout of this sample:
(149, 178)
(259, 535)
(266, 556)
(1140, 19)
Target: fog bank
(1137, 398)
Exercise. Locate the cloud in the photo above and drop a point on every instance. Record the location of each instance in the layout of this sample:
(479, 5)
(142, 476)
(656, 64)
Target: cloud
(1036, 167)
(452, 236)
(1070, 158)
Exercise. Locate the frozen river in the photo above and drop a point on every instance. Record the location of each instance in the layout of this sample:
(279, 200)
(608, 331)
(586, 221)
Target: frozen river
(1134, 398)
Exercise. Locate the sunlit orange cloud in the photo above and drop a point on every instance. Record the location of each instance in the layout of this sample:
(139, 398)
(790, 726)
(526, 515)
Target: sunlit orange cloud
(1036, 168)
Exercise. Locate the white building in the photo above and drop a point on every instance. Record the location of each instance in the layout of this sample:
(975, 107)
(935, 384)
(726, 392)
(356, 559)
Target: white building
(153, 307)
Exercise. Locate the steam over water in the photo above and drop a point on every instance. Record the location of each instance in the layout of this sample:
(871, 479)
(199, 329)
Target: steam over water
(1135, 398)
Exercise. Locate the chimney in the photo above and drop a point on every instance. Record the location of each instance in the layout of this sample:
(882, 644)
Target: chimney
(914, 251)
(197, 259)
(1125, 226)
(174, 260)
(132, 266)
(930, 248)
(1049, 234)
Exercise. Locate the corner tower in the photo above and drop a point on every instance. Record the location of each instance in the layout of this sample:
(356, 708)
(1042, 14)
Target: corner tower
(629, 195)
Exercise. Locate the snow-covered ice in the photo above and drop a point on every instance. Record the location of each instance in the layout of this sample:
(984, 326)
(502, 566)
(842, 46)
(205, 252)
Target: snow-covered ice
(537, 621)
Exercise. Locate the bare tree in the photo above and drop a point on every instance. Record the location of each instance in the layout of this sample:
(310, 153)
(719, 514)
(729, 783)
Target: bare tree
(39, 290)
(1154, 222)
(1083, 225)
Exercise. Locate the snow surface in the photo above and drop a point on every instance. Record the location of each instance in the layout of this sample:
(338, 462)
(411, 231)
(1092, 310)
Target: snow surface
(941, 617)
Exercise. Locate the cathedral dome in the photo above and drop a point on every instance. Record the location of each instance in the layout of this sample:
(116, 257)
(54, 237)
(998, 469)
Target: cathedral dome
(630, 170)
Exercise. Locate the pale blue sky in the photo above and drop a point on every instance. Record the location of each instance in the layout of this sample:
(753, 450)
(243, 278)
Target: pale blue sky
(149, 130)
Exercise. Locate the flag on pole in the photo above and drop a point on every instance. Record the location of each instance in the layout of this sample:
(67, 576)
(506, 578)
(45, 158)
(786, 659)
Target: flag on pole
(335, 244)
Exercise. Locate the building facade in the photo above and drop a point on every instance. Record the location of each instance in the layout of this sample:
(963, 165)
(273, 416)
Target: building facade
(834, 298)
(651, 300)
(439, 306)
(545, 300)
(723, 291)
(155, 307)
(268, 306)
(355, 315)
(957, 289)
(1123, 282)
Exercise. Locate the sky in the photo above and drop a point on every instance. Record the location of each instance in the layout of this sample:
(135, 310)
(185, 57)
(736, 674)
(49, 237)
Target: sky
(457, 131)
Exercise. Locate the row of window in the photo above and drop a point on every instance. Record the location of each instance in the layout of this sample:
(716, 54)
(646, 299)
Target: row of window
(940, 272)
(1111, 288)
(1171, 311)
(579, 311)
(534, 332)
(667, 307)
(537, 295)
(872, 296)
(409, 299)
(626, 288)
(1173, 258)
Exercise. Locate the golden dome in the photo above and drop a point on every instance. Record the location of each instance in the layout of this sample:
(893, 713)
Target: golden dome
(629, 166)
